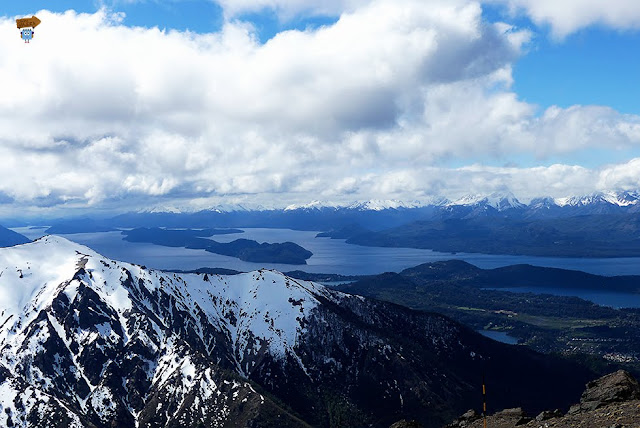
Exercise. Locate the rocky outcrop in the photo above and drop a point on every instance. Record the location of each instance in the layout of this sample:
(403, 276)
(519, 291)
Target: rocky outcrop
(614, 388)
(507, 417)
(465, 420)
(612, 401)
(548, 414)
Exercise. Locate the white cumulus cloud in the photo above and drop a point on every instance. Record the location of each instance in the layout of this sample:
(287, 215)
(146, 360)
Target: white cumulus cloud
(96, 113)
(564, 17)
(568, 16)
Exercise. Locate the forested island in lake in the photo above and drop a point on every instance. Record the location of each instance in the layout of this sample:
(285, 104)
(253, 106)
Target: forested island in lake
(243, 249)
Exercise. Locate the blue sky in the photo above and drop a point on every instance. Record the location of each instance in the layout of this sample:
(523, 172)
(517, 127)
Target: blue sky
(593, 66)
(341, 100)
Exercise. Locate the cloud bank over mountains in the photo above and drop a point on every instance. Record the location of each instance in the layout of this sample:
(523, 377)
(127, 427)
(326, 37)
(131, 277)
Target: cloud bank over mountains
(394, 101)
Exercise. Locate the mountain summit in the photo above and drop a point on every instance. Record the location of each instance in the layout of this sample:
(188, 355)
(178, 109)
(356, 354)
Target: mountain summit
(91, 342)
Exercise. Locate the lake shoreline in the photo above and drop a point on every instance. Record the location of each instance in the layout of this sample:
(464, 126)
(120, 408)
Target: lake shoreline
(330, 256)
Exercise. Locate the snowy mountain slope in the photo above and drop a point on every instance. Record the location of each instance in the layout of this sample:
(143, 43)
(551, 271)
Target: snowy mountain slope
(87, 341)
(267, 310)
(102, 317)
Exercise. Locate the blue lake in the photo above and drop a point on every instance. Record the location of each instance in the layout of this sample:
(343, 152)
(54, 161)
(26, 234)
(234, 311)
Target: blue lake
(329, 255)
(603, 298)
(336, 256)
(500, 336)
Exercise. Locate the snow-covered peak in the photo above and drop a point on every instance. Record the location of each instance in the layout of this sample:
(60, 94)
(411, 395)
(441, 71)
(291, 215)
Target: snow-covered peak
(80, 329)
(261, 309)
(574, 201)
(621, 199)
(384, 204)
(30, 273)
(163, 209)
(499, 201)
(468, 200)
(310, 206)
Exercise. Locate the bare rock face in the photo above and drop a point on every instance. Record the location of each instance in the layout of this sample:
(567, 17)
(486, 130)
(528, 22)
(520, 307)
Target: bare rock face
(548, 414)
(516, 415)
(465, 420)
(616, 387)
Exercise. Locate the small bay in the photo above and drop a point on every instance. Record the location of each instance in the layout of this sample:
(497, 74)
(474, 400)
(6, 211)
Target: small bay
(612, 299)
(500, 336)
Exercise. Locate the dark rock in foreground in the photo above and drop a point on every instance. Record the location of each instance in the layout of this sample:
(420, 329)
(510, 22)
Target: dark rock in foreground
(611, 401)
(614, 388)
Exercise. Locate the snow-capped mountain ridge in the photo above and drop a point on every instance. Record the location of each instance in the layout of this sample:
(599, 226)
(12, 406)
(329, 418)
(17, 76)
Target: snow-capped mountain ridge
(370, 205)
(621, 199)
(91, 342)
(380, 205)
(310, 206)
(248, 293)
(256, 314)
(162, 209)
(498, 201)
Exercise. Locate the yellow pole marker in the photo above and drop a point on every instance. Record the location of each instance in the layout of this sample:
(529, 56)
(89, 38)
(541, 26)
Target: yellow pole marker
(484, 404)
(32, 22)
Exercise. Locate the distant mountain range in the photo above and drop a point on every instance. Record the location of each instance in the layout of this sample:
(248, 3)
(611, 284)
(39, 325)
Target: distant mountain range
(545, 207)
(498, 201)
(91, 342)
(597, 225)
(374, 215)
